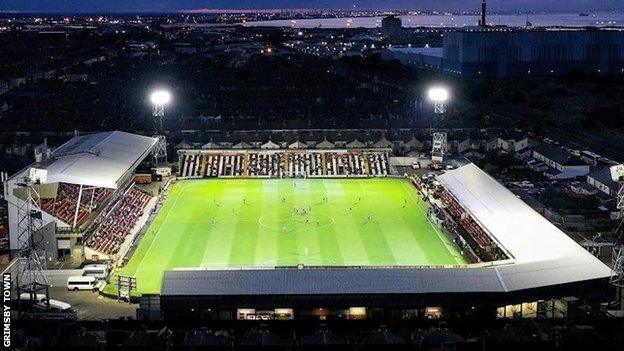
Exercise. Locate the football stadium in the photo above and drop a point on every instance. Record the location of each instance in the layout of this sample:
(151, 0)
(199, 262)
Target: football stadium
(313, 232)
(254, 223)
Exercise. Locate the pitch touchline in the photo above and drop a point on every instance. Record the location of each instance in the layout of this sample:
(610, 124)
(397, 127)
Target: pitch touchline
(159, 228)
(434, 228)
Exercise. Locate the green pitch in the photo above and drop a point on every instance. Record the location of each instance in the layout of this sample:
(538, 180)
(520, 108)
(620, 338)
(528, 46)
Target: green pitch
(220, 223)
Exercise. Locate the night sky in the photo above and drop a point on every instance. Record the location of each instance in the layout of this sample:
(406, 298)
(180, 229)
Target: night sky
(182, 5)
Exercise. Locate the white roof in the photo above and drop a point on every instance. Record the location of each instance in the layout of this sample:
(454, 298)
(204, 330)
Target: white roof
(211, 145)
(413, 142)
(325, 144)
(269, 145)
(501, 213)
(524, 233)
(298, 145)
(383, 142)
(355, 144)
(242, 145)
(97, 159)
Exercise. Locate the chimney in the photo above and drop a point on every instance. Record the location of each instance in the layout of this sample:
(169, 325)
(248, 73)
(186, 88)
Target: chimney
(483, 23)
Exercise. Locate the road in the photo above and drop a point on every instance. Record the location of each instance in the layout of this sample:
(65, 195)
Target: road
(93, 306)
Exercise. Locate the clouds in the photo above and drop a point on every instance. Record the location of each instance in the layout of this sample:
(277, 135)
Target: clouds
(180, 5)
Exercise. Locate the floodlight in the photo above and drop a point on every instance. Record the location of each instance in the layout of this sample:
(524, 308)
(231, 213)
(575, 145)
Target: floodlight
(160, 97)
(439, 96)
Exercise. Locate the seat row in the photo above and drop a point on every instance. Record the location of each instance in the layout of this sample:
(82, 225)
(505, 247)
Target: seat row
(284, 164)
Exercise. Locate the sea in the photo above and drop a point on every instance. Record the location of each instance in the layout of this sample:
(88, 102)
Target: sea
(520, 20)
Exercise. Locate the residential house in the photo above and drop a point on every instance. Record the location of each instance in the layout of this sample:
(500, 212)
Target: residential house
(602, 181)
(355, 144)
(560, 163)
(513, 143)
(325, 144)
(468, 145)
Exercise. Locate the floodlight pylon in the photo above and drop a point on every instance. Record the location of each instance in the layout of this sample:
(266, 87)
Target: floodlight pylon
(439, 96)
(439, 147)
(159, 99)
(617, 259)
(159, 152)
(31, 256)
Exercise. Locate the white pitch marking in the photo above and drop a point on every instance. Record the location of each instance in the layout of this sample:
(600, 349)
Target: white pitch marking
(159, 229)
(435, 229)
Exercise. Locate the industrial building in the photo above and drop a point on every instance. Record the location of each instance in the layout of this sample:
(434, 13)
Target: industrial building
(500, 52)
(391, 26)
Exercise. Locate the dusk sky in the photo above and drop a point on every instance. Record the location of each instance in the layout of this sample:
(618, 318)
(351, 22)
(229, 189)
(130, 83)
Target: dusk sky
(185, 5)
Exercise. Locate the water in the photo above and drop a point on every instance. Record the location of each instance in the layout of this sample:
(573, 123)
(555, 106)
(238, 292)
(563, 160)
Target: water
(571, 20)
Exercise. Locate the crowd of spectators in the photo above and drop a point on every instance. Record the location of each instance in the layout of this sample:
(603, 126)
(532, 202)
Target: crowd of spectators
(63, 206)
(112, 232)
(309, 163)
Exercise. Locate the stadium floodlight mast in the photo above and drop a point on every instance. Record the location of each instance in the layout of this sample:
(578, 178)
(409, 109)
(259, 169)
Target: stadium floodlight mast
(617, 258)
(439, 96)
(159, 98)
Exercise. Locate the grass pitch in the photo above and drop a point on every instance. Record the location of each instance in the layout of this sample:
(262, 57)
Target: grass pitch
(222, 223)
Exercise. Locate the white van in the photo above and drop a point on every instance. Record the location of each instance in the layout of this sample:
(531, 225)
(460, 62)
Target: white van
(98, 271)
(76, 283)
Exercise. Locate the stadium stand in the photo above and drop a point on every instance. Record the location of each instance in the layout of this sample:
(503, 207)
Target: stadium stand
(459, 222)
(480, 242)
(467, 221)
(283, 163)
(121, 219)
(63, 206)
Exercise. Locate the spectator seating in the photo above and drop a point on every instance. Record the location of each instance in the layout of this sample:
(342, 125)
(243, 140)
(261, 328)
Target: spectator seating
(284, 163)
(63, 206)
(111, 233)
(468, 223)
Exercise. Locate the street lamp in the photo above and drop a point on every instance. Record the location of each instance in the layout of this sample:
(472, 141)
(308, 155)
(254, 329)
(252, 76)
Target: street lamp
(439, 96)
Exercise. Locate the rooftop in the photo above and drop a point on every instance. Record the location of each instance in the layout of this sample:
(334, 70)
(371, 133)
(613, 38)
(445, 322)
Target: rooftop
(559, 155)
(100, 159)
(604, 176)
(436, 52)
(527, 235)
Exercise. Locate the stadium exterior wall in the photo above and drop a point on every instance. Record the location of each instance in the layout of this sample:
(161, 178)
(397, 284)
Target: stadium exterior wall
(180, 308)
